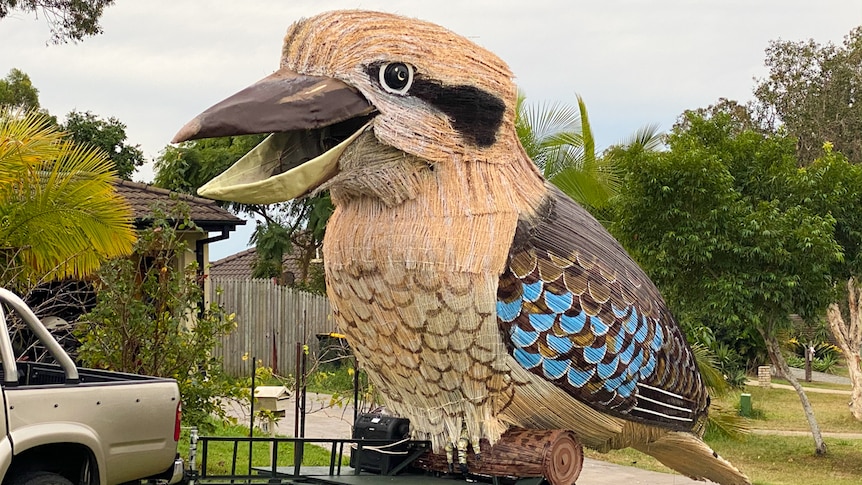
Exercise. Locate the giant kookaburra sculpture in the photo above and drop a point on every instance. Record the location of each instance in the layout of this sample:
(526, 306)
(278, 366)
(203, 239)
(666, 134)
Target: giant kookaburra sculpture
(474, 293)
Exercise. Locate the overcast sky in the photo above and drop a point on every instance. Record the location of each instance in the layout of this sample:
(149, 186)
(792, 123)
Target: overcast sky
(635, 62)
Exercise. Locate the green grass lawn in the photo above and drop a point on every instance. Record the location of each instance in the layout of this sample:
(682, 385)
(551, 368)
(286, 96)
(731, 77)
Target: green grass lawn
(781, 409)
(790, 460)
(220, 455)
(780, 460)
(770, 460)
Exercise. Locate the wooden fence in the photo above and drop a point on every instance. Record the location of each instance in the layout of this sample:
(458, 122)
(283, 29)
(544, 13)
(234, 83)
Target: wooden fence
(271, 319)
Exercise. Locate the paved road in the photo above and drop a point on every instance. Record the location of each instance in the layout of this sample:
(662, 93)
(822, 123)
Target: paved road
(826, 434)
(820, 377)
(807, 389)
(815, 377)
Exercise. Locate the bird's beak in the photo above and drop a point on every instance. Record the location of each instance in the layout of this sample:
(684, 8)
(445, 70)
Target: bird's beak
(312, 120)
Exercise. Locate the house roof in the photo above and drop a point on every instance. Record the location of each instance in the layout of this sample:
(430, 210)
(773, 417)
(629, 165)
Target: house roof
(239, 265)
(204, 212)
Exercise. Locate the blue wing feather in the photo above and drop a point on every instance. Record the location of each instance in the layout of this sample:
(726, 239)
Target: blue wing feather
(595, 325)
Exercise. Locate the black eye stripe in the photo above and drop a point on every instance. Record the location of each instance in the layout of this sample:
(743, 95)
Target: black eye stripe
(474, 113)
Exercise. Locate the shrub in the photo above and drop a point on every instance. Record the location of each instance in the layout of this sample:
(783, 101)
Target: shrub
(825, 364)
(821, 349)
(147, 320)
(736, 379)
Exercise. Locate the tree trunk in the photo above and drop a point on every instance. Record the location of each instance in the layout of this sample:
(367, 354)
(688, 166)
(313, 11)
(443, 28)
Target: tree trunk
(849, 337)
(780, 364)
(556, 455)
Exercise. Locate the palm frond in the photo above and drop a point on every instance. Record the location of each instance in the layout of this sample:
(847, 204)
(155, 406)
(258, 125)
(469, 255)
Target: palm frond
(26, 138)
(546, 132)
(648, 137)
(559, 140)
(726, 422)
(60, 209)
(589, 141)
(722, 421)
(548, 118)
(590, 188)
(706, 364)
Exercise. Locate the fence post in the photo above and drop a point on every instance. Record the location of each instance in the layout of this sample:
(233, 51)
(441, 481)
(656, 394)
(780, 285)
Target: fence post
(764, 376)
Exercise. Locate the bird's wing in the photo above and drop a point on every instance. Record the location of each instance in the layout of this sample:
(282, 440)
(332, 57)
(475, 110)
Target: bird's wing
(576, 310)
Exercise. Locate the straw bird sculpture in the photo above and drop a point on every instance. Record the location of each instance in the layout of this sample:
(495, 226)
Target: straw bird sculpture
(477, 296)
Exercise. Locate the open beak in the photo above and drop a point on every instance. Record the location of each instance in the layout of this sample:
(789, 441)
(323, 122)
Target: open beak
(312, 120)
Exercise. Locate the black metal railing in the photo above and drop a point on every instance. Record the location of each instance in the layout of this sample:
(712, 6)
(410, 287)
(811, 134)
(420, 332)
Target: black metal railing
(248, 472)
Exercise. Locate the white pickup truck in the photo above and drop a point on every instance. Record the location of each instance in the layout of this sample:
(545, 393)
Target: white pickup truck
(65, 425)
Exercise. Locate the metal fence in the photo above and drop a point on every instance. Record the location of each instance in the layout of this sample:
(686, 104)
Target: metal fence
(271, 319)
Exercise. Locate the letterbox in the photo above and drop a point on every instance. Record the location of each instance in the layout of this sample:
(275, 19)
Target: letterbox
(272, 398)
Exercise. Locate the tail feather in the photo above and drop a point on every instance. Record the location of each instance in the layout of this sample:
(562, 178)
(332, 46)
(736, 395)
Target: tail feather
(689, 455)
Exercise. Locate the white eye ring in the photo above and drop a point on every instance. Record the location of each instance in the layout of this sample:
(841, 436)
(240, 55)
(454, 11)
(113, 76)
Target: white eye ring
(396, 77)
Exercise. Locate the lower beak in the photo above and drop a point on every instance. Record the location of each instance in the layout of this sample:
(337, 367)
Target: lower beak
(312, 118)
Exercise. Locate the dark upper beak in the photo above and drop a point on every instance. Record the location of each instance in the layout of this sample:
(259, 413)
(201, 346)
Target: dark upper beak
(282, 101)
(312, 118)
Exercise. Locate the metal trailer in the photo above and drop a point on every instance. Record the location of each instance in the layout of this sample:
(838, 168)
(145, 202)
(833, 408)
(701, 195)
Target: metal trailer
(367, 453)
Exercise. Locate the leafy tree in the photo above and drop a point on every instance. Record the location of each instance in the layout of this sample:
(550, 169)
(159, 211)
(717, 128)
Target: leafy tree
(297, 231)
(108, 135)
(189, 165)
(295, 227)
(18, 92)
(814, 92)
(831, 185)
(272, 242)
(705, 221)
(68, 19)
(60, 215)
(143, 320)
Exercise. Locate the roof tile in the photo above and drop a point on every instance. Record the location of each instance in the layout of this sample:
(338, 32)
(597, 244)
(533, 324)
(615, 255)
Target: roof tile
(204, 212)
(239, 265)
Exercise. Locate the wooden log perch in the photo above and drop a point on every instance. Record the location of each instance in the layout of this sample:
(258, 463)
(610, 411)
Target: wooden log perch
(556, 455)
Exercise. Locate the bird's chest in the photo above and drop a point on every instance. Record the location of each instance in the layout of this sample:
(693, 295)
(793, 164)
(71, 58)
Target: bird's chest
(415, 292)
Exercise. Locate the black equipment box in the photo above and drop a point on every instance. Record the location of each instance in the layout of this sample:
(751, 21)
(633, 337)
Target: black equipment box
(380, 427)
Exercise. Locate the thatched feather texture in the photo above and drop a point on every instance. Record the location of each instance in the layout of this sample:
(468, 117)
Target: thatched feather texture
(475, 294)
(342, 44)
(424, 226)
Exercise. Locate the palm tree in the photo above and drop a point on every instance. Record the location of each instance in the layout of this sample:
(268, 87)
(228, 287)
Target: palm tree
(60, 215)
(560, 141)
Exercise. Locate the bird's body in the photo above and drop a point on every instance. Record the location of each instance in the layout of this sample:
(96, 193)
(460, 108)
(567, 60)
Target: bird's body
(418, 288)
(475, 294)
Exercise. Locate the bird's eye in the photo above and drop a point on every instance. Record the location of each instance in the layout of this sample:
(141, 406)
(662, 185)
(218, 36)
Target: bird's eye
(396, 77)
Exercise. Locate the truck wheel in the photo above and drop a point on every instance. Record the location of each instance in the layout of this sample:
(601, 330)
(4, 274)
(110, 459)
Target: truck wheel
(41, 478)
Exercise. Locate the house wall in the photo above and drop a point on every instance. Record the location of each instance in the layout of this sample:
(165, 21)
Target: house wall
(188, 256)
